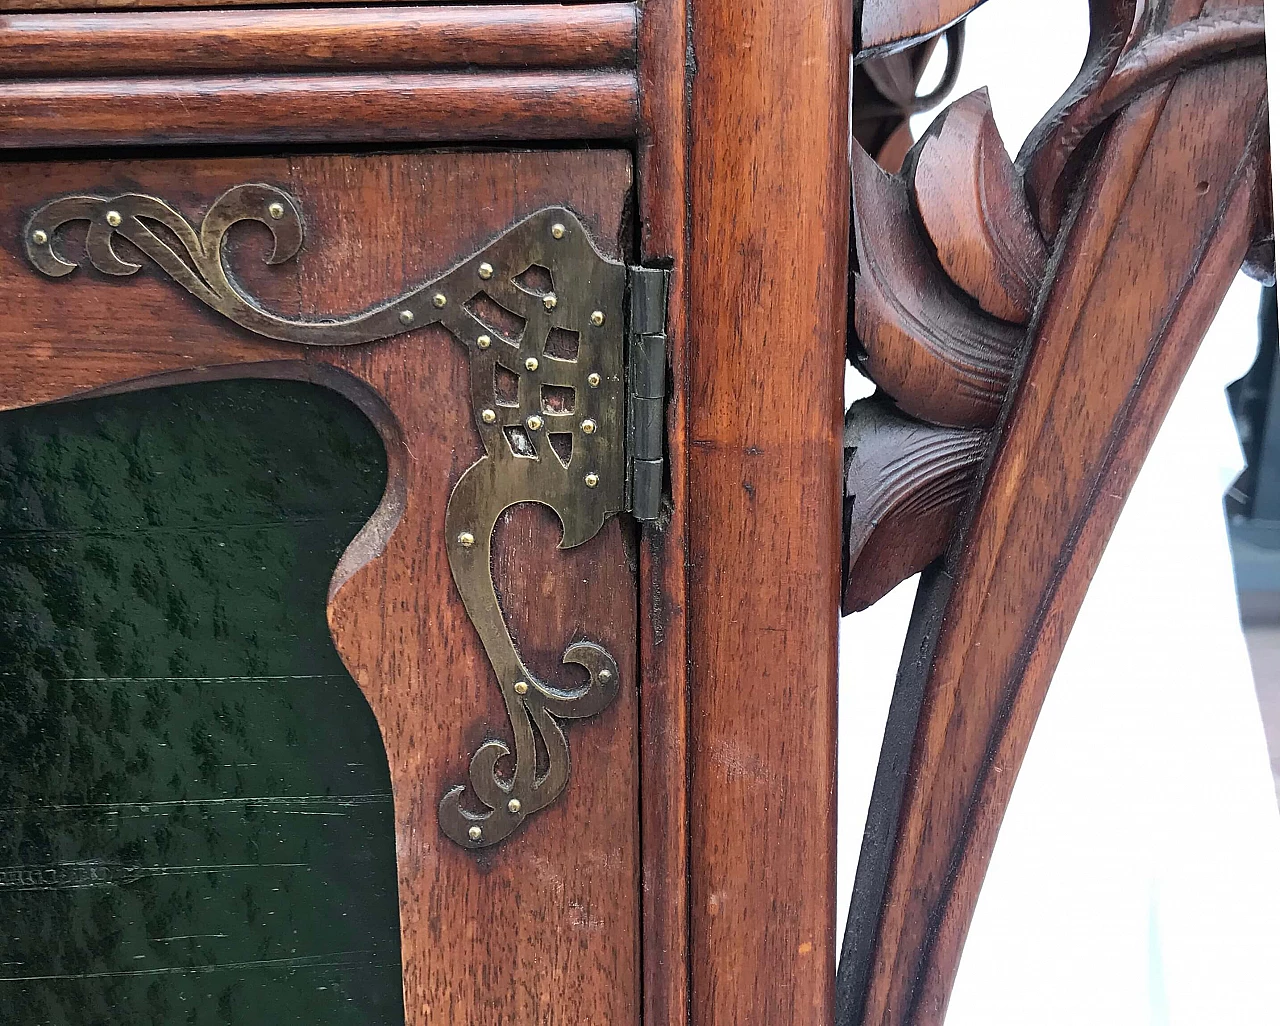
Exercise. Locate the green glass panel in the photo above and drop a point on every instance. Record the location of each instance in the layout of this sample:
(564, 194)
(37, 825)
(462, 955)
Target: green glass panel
(195, 811)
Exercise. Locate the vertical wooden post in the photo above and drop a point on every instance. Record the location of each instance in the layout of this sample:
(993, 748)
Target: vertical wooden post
(769, 198)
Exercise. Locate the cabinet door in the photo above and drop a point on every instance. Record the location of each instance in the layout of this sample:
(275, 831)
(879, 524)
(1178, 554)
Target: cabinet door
(470, 305)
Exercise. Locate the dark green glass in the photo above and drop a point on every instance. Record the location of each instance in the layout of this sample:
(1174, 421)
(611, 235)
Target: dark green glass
(195, 811)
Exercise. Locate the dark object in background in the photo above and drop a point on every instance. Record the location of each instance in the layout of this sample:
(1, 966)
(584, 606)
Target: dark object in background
(195, 811)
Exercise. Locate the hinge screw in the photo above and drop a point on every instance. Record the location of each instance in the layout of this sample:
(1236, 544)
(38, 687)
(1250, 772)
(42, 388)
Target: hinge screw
(521, 687)
(466, 539)
(113, 218)
(592, 479)
(549, 300)
(406, 316)
(513, 806)
(486, 271)
(531, 363)
(484, 341)
(593, 380)
(597, 317)
(588, 427)
(438, 300)
(488, 416)
(276, 210)
(606, 676)
(39, 237)
(557, 231)
(533, 422)
(475, 833)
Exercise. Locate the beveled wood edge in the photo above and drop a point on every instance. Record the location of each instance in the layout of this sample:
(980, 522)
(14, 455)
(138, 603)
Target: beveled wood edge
(332, 39)
(662, 193)
(883, 27)
(328, 109)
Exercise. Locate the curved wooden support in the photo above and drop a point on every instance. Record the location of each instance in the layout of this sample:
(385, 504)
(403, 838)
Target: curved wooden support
(1174, 175)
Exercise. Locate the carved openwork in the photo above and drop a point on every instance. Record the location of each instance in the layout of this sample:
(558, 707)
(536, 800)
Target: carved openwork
(540, 313)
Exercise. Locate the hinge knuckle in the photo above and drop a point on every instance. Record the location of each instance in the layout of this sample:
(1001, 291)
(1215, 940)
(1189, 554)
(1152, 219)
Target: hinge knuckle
(647, 389)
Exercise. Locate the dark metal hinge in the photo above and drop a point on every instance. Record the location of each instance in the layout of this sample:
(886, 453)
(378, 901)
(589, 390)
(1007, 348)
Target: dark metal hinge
(646, 390)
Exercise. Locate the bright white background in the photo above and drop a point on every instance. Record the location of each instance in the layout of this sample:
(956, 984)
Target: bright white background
(1136, 879)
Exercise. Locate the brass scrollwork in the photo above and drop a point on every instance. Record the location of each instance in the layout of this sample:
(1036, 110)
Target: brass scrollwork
(540, 307)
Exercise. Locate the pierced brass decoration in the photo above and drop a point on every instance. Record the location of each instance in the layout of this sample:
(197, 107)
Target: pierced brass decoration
(538, 283)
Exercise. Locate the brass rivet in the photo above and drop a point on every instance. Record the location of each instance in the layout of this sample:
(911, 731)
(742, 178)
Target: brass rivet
(406, 316)
(513, 806)
(488, 416)
(475, 833)
(588, 427)
(549, 300)
(438, 300)
(484, 341)
(593, 380)
(521, 687)
(276, 210)
(533, 422)
(114, 218)
(592, 479)
(557, 231)
(39, 237)
(597, 317)
(531, 363)
(606, 675)
(466, 539)
(486, 271)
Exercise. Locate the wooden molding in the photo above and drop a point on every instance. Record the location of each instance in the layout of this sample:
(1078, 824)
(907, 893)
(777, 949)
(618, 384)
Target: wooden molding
(333, 39)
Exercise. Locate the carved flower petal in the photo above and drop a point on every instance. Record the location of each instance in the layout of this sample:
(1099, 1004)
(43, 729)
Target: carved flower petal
(905, 484)
(935, 353)
(971, 201)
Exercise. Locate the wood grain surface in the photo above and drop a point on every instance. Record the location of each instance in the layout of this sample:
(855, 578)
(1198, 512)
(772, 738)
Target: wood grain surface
(887, 25)
(1162, 226)
(329, 39)
(315, 108)
(542, 929)
(662, 180)
(767, 281)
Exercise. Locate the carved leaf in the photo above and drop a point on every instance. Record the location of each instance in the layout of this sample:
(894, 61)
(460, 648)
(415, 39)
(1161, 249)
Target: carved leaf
(905, 483)
(972, 203)
(940, 357)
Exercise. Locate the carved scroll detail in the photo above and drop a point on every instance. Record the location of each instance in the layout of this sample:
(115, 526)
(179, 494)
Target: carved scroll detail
(539, 305)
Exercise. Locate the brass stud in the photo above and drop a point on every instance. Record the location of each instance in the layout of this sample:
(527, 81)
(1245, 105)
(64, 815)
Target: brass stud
(593, 380)
(39, 237)
(484, 341)
(597, 317)
(513, 806)
(406, 316)
(276, 210)
(606, 676)
(475, 833)
(557, 231)
(531, 363)
(521, 687)
(438, 301)
(466, 539)
(588, 427)
(592, 479)
(488, 416)
(114, 218)
(533, 422)
(549, 301)
(486, 271)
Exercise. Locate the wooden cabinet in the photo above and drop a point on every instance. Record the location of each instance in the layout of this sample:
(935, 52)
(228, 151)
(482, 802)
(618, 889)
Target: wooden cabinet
(582, 273)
